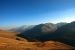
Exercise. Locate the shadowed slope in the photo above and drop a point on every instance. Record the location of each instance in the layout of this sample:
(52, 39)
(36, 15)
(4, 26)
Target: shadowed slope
(39, 32)
(66, 33)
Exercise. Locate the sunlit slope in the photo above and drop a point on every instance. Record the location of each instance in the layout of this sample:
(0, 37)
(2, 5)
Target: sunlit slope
(11, 44)
(10, 34)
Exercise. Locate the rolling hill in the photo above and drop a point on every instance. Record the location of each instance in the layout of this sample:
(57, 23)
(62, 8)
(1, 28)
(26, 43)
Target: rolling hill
(11, 35)
(11, 44)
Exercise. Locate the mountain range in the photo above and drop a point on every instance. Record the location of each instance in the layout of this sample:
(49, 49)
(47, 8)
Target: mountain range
(41, 35)
(63, 32)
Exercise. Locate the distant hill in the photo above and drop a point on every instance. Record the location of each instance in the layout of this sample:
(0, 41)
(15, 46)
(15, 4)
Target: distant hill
(28, 27)
(22, 28)
(41, 32)
(61, 24)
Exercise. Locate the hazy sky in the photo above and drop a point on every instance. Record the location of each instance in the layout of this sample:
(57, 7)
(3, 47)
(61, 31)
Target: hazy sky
(29, 12)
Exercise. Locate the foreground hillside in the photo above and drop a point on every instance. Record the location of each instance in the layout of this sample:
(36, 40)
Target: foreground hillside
(11, 44)
(8, 42)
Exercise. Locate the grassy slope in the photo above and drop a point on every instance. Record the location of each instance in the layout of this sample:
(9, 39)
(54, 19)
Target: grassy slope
(10, 34)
